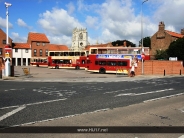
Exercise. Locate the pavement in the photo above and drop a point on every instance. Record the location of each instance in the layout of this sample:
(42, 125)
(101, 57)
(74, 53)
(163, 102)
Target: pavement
(71, 75)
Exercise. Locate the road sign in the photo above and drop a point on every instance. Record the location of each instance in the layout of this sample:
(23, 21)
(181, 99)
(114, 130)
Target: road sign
(143, 56)
(7, 48)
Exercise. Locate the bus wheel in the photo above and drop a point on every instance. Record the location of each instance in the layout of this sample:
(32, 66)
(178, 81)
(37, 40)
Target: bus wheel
(57, 67)
(102, 71)
(77, 67)
(37, 65)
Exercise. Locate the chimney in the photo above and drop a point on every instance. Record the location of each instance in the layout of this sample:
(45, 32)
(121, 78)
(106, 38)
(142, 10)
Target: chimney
(161, 26)
(182, 31)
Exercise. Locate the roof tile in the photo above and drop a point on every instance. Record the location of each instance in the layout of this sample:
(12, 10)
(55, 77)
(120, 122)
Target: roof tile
(174, 34)
(54, 47)
(21, 46)
(38, 37)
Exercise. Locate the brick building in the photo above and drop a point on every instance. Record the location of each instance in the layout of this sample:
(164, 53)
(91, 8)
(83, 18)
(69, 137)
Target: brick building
(3, 43)
(40, 45)
(162, 39)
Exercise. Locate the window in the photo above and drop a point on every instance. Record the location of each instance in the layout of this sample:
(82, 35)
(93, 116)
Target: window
(40, 52)
(16, 50)
(43, 44)
(122, 63)
(46, 52)
(111, 63)
(35, 52)
(26, 50)
(102, 62)
(37, 43)
(1, 51)
(4, 41)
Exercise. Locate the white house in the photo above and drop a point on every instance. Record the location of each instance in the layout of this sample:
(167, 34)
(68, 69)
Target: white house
(21, 54)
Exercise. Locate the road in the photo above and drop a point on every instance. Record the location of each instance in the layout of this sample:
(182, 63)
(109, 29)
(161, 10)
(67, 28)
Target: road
(24, 103)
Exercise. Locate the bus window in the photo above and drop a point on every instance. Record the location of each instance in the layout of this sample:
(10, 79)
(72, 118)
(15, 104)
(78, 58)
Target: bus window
(61, 53)
(122, 63)
(94, 51)
(65, 53)
(122, 51)
(111, 63)
(51, 53)
(112, 51)
(77, 53)
(102, 51)
(56, 53)
(71, 53)
(102, 62)
(96, 62)
(82, 53)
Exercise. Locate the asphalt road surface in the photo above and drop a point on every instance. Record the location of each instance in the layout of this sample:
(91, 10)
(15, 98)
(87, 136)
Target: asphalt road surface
(25, 103)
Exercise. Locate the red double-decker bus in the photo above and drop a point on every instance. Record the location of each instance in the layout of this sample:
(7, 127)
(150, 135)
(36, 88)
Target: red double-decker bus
(113, 59)
(67, 59)
(39, 62)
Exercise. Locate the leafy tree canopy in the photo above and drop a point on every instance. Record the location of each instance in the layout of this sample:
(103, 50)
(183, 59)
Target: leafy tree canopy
(161, 55)
(176, 49)
(121, 43)
(146, 42)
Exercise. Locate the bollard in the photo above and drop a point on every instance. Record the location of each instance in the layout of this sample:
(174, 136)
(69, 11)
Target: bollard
(180, 71)
(164, 72)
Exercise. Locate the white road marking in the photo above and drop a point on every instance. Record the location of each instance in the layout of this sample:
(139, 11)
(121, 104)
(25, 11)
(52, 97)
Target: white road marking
(123, 90)
(11, 113)
(181, 136)
(135, 94)
(163, 97)
(182, 110)
(34, 103)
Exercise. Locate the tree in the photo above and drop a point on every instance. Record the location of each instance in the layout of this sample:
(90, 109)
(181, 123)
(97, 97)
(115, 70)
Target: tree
(176, 49)
(146, 42)
(161, 54)
(121, 43)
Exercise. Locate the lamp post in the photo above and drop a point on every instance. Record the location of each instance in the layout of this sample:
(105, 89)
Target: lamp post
(142, 47)
(7, 5)
(7, 47)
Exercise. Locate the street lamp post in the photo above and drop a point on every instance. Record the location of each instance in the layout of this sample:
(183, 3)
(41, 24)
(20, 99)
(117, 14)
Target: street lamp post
(7, 5)
(7, 59)
(142, 47)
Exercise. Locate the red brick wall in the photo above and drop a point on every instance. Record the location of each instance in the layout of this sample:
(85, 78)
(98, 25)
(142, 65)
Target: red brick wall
(43, 48)
(157, 67)
(3, 37)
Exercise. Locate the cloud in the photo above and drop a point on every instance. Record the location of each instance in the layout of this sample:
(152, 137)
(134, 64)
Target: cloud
(111, 20)
(16, 38)
(21, 23)
(65, 40)
(71, 8)
(92, 22)
(58, 23)
(3, 23)
(171, 12)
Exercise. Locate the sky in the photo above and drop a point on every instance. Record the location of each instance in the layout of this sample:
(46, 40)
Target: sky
(105, 20)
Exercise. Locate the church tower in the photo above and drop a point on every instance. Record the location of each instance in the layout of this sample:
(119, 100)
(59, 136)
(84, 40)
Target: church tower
(79, 39)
